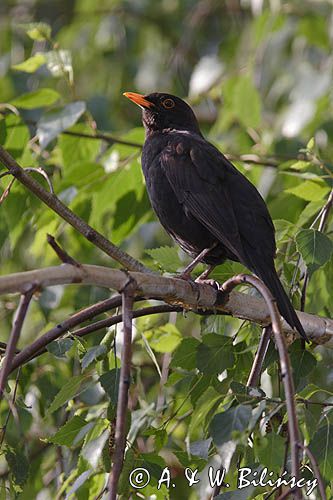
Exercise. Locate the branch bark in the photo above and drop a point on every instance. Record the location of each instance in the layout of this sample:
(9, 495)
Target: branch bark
(14, 336)
(124, 383)
(171, 290)
(259, 358)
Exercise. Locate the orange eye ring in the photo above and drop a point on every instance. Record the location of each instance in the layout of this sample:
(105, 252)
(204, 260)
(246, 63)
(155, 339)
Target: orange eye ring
(168, 103)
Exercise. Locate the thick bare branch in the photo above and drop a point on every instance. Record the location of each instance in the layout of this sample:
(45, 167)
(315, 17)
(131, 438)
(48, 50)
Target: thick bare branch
(171, 290)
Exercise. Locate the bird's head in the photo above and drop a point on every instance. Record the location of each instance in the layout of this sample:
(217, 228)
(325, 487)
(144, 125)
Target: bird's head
(164, 111)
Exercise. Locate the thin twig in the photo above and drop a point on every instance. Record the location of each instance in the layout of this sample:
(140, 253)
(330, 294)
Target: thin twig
(4, 427)
(42, 172)
(111, 139)
(125, 374)
(315, 470)
(286, 371)
(61, 253)
(323, 214)
(7, 190)
(114, 320)
(259, 358)
(14, 337)
(65, 213)
(106, 323)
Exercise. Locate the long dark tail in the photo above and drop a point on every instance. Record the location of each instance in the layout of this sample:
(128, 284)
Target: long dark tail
(271, 280)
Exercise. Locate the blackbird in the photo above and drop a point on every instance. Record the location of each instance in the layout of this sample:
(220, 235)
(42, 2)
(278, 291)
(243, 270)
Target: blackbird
(208, 207)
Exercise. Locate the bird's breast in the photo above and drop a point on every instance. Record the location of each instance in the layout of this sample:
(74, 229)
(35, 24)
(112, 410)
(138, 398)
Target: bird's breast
(188, 232)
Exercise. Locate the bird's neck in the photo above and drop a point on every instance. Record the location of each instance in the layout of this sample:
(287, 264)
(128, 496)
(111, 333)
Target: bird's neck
(150, 132)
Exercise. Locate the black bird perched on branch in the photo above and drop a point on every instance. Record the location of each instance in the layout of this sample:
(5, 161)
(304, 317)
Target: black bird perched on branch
(211, 210)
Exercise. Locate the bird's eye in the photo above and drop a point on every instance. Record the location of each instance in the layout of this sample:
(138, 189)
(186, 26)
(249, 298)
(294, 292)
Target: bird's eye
(168, 103)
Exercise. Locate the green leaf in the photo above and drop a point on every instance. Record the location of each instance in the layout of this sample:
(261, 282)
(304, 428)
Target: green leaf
(302, 361)
(315, 248)
(69, 391)
(310, 190)
(18, 465)
(37, 31)
(124, 182)
(246, 102)
(215, 354)
(53, 123)
(203, 405)
(308, 213)
(225, 424)
(77, 150)
(200, 448)
(315, 28)
(194, 462)
(271, 451)
(300, 165)
(59, 347)
(79, 481)
(166, 257)
(110, 383)
(93, 354)
(186, 354)
(164, 339)
(38, 99)
(31, 65)
(160, 437)
(321, 446)
(68, 432)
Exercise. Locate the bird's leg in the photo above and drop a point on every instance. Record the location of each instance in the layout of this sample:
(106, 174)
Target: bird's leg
(186, 274)
(203, 276)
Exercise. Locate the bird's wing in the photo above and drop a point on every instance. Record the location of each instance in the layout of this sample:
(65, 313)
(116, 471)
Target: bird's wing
(220, 197)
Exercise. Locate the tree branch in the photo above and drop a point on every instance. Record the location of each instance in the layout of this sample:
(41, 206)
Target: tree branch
(259, 358)
(65, 213)
(315, 470)
(286, 371)
(173, 291)
(98, 325)
(124, 382)
(14, 336)
(39, 344)
(323, 216)
(111, 139)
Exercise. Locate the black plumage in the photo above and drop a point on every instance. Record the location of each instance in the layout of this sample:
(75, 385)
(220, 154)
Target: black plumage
(202, 200)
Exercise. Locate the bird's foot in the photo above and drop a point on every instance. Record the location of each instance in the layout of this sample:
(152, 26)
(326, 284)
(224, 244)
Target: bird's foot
(185, 276)
(210, 282)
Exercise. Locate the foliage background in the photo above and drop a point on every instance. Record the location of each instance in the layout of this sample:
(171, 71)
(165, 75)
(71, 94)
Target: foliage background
(259, 75)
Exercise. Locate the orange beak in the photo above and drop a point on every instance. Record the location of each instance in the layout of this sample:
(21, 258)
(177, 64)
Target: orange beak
(138, 99)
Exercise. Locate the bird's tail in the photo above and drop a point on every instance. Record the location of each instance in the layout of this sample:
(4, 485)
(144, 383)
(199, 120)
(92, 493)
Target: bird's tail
(272, 281)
